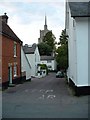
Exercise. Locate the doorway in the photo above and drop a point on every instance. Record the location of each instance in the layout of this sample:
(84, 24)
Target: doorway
(10, 74)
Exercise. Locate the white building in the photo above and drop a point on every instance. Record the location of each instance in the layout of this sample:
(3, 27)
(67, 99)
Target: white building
(33, 57)
(77, 27)
(49, 61)
(25, 65)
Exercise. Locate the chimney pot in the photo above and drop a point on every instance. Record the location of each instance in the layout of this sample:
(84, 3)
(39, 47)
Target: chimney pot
(4, 18)
(5, 13)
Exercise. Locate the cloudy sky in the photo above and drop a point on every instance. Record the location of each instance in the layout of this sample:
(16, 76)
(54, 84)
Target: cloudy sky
(27, 17)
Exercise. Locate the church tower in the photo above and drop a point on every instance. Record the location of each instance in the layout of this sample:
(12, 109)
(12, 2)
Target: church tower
(43, 32)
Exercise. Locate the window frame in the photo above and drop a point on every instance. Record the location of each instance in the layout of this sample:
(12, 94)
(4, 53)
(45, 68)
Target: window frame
(15, 49)
(49, 61)
(15, 70)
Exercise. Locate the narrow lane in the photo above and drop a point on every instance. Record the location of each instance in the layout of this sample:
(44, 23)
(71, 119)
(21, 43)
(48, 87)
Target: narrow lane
(47, 97)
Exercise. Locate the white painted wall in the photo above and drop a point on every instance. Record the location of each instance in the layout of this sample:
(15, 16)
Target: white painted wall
(34, 60)
(89, 51)
(77, 29)
(82, 51)
(25, 65)
(31, 59)
(37, 59)
(52, 63)
(71, 31)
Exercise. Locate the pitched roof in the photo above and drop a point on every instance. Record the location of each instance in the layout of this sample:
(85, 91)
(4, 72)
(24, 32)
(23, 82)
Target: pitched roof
(7, 31)
(80, 9)
(45, 57)
(29, 49)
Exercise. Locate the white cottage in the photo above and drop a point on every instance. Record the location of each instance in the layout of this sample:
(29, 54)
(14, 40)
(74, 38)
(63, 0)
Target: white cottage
(25, 65)
(33, 56)
(77, 28)
(49, 61)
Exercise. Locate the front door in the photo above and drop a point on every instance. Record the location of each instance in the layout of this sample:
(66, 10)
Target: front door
(10, 74)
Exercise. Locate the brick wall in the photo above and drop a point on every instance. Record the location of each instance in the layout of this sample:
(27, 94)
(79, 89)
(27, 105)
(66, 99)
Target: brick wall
(8, 57)
(0, 59)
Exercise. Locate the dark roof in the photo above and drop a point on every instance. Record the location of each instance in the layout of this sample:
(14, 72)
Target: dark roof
(8, 32)
(29, 49)
(80, 9)
(46, 57)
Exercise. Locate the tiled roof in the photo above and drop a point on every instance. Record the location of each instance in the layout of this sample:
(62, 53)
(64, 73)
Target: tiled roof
(46, 57)
(29, 49)
(7, 31)
(80, 9)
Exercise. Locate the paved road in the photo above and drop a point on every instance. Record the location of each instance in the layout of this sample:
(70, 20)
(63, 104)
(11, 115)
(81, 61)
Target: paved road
(47, 97)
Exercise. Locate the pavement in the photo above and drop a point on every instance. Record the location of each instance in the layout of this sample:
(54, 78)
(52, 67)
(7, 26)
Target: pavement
(47, 97)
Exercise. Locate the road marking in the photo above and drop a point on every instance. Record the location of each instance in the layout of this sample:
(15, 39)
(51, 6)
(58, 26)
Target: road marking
(42, 97)
(42, 90)
(47, 91)
(51, 96)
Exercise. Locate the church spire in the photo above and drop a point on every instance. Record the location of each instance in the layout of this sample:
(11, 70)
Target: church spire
(45, 26)
(45, 20)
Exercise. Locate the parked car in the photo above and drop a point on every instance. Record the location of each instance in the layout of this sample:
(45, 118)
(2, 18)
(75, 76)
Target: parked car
(60, 74)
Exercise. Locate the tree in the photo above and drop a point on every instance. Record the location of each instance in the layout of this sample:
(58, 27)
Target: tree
(49, 39)
(44, 49)
(62, 51)
(63, 38)
(62, 57)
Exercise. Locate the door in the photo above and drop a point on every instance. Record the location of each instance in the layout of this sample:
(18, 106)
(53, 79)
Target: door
(10, 74)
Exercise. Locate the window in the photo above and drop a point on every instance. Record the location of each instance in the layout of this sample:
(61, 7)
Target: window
(73, 23)
(15, 49)
(15, 70)
(49, 66)
(49, 61)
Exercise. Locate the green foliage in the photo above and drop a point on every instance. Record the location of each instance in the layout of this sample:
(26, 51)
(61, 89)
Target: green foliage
(63, 38)
(48, 44)
(44, 49)
(49, 39)
(44, 66)
(62, 57)
(62, 51)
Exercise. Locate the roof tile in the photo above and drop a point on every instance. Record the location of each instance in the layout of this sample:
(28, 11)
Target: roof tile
(80, 9)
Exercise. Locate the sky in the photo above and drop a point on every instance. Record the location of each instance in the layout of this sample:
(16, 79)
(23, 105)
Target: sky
(27, 17)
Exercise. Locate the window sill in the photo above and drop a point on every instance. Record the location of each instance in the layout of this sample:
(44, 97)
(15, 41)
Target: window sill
(15, 76)
(15, 56)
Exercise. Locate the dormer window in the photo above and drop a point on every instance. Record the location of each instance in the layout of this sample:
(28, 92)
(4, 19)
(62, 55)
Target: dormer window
(15, 49)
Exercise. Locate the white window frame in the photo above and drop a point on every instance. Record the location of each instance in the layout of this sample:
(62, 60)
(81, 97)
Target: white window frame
(15, 49)
(15, 70)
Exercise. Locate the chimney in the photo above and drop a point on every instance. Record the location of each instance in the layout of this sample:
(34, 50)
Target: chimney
(4, 18)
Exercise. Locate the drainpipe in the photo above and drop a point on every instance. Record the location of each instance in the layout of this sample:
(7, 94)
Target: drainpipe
(20, 63)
